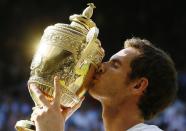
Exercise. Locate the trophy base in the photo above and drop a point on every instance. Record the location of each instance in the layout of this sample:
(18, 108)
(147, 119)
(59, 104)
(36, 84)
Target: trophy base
(25, 125)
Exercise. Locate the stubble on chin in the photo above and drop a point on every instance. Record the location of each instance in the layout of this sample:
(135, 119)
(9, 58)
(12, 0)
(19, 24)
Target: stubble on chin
(93, 90)
(91, 84)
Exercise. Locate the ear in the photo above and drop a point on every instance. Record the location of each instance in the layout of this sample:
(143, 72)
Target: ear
(140, 86)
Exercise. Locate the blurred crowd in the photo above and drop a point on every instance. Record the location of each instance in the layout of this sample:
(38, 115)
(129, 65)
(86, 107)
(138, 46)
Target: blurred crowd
(86, 118)
(16, 104)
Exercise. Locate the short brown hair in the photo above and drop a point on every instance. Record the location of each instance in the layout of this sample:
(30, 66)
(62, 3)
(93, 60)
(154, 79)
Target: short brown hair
(158, 67)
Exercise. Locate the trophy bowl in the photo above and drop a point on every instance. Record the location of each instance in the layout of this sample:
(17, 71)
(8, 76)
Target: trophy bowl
(70, 51)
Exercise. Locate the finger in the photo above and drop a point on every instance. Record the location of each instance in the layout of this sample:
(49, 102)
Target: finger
(67, 112)
(33, 116)
(57, 91)
(36, 112)
(37, 107)
(38, 95)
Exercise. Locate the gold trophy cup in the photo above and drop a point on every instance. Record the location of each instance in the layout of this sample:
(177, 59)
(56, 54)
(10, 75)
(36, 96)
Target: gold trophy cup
(70, 51)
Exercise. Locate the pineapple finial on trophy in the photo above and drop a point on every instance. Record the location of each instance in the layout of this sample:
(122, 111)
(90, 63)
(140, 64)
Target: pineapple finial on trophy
(88, 12)
(84, 19)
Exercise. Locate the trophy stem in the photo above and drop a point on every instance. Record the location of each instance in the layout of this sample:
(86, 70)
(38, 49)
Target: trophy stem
(25, 125)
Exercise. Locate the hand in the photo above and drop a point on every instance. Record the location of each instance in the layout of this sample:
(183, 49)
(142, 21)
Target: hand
(51, 116)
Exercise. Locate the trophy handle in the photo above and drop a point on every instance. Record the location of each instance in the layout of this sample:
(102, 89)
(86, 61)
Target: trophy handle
(25, 125)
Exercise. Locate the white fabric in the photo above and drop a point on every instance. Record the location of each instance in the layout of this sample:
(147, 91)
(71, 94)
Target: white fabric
(144, 127)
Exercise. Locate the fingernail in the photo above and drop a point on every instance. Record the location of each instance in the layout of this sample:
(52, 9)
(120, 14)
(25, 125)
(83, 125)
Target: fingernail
(56, 78)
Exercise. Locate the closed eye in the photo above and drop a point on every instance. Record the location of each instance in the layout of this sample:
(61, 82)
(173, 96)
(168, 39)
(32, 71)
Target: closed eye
(115, 63)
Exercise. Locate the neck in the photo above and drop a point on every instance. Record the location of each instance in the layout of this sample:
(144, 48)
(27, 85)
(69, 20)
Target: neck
(120, 117)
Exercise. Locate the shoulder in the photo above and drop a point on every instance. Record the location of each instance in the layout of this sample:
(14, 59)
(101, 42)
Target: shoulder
(144, 127)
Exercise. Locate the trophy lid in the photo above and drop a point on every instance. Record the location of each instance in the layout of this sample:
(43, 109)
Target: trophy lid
(84, 18)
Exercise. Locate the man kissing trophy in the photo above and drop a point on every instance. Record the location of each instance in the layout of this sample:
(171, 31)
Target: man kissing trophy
(70, 51)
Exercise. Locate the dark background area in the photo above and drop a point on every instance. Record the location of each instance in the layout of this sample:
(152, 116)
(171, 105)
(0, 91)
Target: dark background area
(22, 23)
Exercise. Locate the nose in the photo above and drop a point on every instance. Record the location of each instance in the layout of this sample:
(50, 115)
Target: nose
(101, 68)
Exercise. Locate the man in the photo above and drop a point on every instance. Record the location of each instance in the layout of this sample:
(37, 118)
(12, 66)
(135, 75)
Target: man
(133, 86)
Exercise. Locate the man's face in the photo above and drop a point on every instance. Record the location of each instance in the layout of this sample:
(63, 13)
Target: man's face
(112, 80)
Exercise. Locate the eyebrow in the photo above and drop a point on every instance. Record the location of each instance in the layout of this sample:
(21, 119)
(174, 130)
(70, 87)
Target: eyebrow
(114, 59)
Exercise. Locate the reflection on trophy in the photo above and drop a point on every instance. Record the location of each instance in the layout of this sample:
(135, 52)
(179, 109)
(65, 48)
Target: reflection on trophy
(70, 51)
